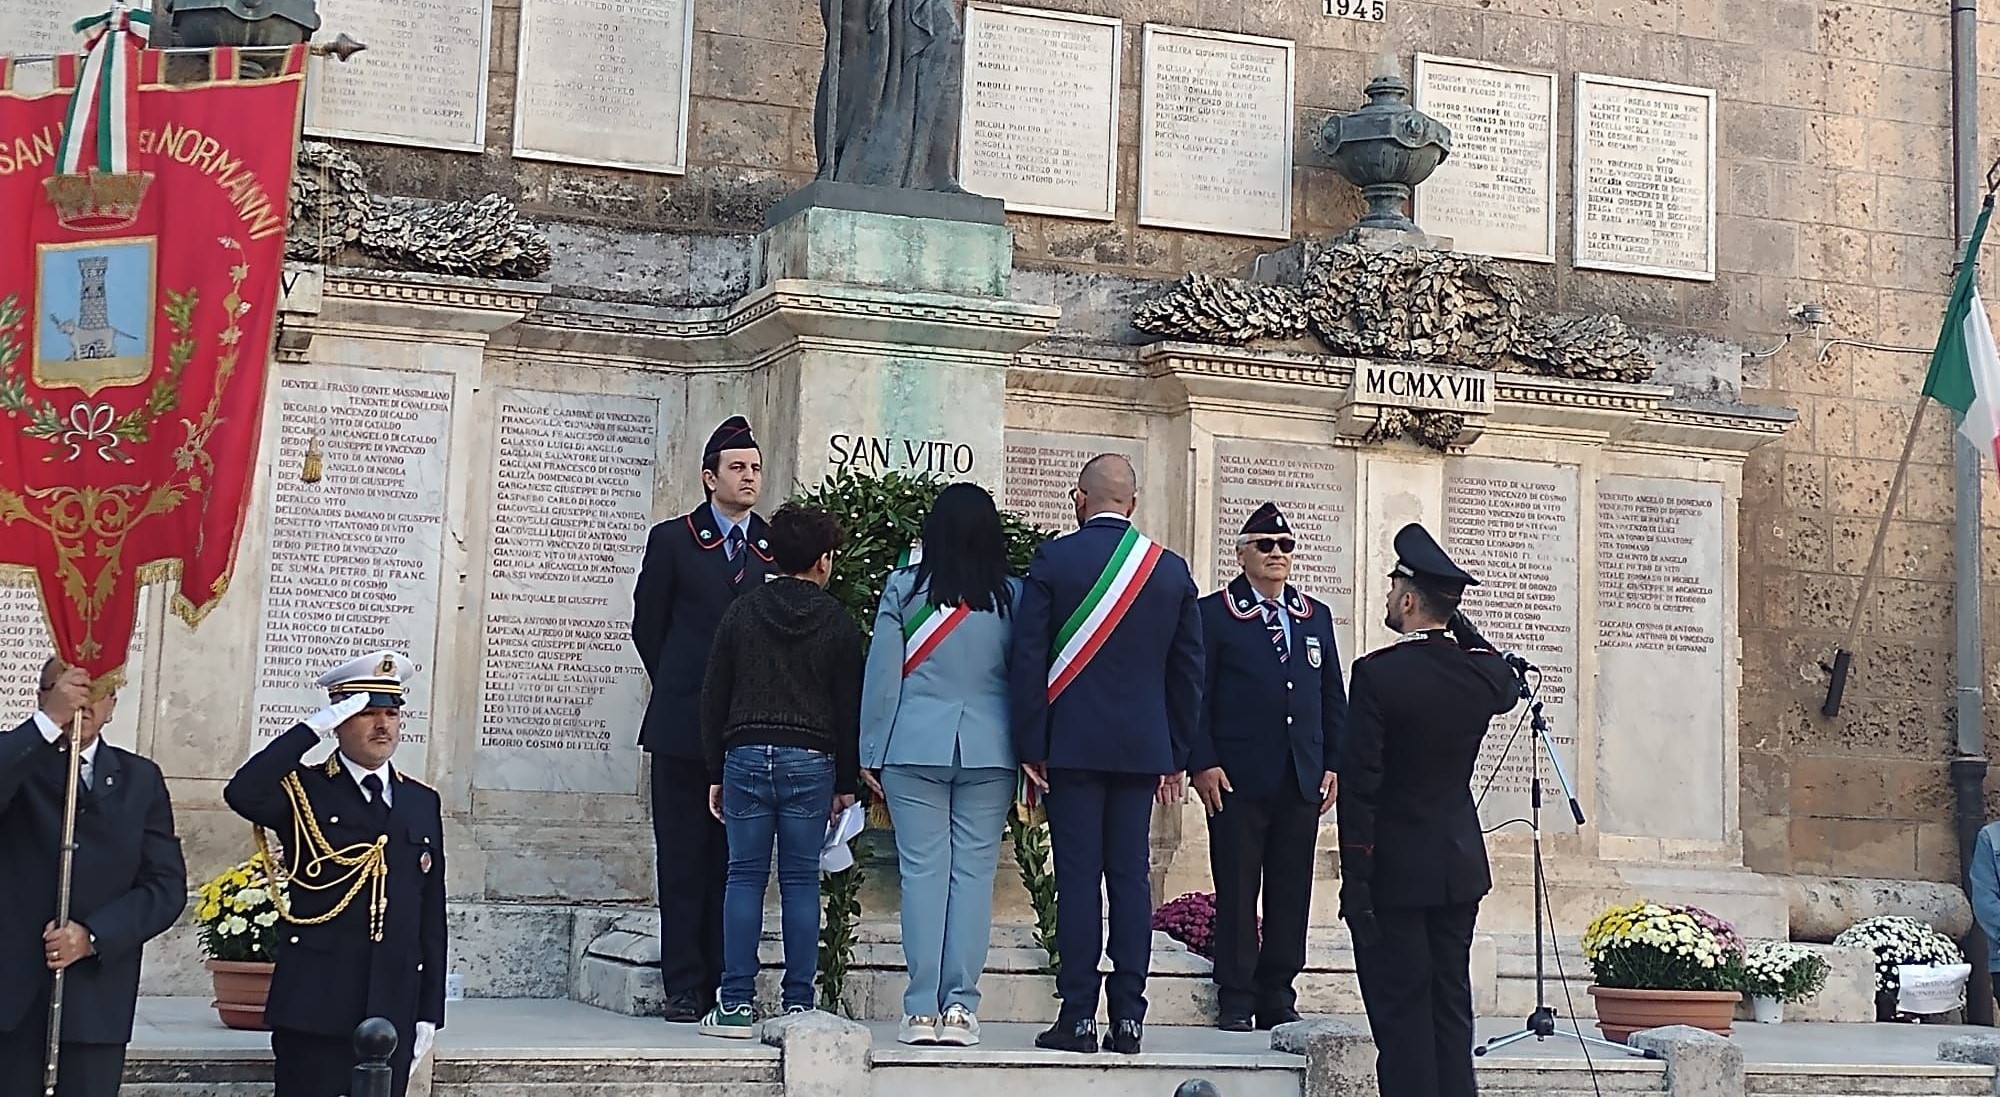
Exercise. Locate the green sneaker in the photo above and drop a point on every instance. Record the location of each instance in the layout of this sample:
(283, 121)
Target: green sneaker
(730, 1022)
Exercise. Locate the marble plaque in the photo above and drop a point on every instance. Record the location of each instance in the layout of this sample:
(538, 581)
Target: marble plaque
(421, 81)
(1660, 671)
(354, 560)
(604, 82)
(1039, 128)
(1514, 525)
(1315, 487)
(1041, 470)
(43, 26)
(562, 690)
(1495, 194)
(1215, 132)
(1645, 177)
(25, 644)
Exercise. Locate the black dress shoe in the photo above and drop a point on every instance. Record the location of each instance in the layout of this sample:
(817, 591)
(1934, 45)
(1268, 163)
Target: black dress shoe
(1234, 1022)
(1124, 1037)
(682, 1009)
(1272, 1018)
(1069, 1036)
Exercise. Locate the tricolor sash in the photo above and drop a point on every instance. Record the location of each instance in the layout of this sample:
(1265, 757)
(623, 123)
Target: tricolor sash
(924, 631)
(1101, 610)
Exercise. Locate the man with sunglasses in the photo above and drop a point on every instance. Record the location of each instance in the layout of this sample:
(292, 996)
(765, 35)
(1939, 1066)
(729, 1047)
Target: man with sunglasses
(1262, 761)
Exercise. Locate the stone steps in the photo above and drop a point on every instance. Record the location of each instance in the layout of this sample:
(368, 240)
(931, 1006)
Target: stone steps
(1941, 1080)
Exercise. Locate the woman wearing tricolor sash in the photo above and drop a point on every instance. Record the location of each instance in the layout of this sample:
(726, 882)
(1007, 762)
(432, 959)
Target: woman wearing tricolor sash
(935, 748)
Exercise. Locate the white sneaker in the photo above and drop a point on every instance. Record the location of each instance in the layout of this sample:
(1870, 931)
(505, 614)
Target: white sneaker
(917, 1031)
(958, 1027)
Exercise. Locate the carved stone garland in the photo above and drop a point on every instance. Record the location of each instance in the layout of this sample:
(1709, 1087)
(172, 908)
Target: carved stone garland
(1408, 303)
(331, 210)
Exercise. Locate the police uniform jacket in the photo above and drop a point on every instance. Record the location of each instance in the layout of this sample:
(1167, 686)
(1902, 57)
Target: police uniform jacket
(685, 582)
(1417, 712)
(1134, 707)
(333, 976)
(1258, 713)
(130, 884)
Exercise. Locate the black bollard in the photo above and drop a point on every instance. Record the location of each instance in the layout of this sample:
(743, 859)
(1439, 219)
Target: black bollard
(1197, 1087)
(374, 1043)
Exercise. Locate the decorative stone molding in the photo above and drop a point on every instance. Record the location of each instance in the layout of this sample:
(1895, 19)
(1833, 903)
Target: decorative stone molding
(1408, 303)
(432, 307)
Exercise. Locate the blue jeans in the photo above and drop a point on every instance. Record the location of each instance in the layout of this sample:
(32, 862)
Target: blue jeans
(780, 794)
(949, 822)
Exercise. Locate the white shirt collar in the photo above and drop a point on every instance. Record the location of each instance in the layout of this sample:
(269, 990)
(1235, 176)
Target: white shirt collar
(1125, 518)
(382, 771)
(54, 733)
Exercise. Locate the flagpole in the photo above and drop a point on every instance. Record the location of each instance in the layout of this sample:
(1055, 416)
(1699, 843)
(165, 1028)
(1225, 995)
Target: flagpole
(1843, 657)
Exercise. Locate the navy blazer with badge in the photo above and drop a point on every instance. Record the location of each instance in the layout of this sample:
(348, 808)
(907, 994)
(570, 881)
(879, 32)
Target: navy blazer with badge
(331, 977)
(130, 884)
(1121, 714)
(1255, 711)
(685, 582)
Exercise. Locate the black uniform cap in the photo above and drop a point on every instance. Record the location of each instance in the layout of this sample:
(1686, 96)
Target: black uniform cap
(734, 433)
(1267, 521)
(1419, 558)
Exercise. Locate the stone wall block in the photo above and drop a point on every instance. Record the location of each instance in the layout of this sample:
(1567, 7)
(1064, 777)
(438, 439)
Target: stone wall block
(822, 1055)
(1699, 1063)
(1340, 1058)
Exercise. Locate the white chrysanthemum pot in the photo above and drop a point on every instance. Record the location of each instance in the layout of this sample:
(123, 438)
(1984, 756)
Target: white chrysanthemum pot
(1769, 1010)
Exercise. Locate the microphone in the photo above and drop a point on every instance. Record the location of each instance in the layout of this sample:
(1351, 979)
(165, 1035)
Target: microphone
(1520, 664)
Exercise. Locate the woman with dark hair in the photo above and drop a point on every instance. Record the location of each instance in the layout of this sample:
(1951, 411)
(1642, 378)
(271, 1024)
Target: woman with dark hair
(935, 747)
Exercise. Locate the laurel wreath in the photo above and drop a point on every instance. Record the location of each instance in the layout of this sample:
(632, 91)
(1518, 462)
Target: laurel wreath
(47, 422)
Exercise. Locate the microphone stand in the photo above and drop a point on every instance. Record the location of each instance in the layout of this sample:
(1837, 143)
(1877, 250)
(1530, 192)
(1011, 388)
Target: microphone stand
(65, 880)
(1541, 1024)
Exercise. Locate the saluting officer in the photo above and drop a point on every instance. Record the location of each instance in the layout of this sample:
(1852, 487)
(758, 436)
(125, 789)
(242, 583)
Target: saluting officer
(364, 856)
(1412, 859)
(1263, 764)
(695, 565)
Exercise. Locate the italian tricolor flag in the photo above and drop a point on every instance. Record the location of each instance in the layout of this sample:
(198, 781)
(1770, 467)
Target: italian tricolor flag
(1965, 368)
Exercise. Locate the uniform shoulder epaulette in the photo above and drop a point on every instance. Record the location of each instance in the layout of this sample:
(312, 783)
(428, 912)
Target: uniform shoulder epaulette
(401, 776)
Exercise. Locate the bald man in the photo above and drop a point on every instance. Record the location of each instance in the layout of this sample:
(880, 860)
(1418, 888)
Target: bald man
(1106, 676)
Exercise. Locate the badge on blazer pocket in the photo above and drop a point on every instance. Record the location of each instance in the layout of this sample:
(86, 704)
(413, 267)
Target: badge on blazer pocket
(1313, 656)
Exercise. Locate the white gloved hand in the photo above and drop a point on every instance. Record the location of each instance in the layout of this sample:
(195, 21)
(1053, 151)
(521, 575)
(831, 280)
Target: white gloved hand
(426, 1037)
(336, 713)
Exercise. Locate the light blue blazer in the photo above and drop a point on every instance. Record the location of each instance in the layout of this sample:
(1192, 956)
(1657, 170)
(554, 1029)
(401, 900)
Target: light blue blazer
(953, 708)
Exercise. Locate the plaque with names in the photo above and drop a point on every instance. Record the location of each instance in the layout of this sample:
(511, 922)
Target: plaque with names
(1495, 194)
(421, 81)
(604, 82)
(1039, 126)
(1315, 488)
(563, 691)
(1215, 132)
(25, 644)
(1514, 525)
(1660, 661)
(43, 26)
(353, 561)
(1645, 177)
(1042, 468)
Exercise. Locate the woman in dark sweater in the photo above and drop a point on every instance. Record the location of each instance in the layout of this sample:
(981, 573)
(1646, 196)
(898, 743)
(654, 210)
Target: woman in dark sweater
(780, 718)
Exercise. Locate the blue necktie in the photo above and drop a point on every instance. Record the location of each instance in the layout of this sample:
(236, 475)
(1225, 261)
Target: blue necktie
(733, 545)
(1274, 620)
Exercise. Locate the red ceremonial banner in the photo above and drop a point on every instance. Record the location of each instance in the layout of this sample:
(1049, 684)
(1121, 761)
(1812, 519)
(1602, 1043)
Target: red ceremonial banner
(135, 331)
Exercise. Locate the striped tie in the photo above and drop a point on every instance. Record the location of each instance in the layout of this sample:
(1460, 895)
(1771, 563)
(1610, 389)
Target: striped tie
(1276, 623)
(733, 545)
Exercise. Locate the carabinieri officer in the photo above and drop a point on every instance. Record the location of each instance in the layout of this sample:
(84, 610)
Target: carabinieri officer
(1262, 762)
(1412, 859)
(364, 854)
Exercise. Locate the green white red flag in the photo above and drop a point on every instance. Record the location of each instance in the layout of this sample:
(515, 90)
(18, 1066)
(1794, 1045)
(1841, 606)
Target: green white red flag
(1965, 367)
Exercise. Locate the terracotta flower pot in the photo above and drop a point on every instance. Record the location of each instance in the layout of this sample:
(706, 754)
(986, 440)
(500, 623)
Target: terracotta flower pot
(241, 986)
(1620, 1013)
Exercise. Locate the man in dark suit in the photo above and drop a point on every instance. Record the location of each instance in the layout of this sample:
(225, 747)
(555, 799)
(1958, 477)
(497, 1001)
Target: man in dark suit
(695, 566)
(367, 938)
(1412, 859)
(130, 884)
(1262, 763)
(1105, 685)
